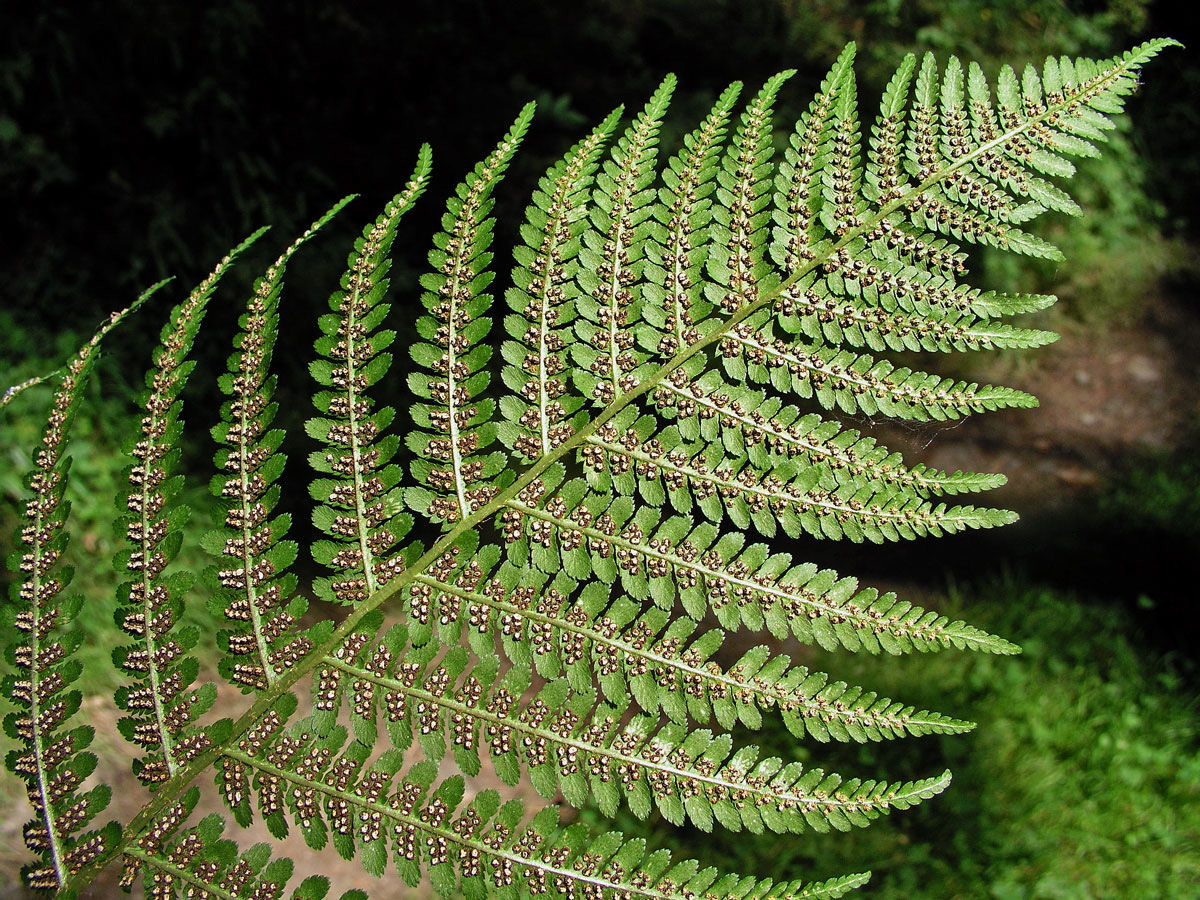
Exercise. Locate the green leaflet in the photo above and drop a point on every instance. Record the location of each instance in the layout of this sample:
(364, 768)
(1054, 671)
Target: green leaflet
(455, 423)
(160, 704)
(539, 410)
(252, 589)
(680, 347)
(613, 261)
(51, 760)
(360, 503)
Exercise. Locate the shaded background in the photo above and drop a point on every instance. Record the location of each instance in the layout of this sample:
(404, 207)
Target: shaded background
(142, 140)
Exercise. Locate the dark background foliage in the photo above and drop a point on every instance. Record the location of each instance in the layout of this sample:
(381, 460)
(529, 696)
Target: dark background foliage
(140, 140)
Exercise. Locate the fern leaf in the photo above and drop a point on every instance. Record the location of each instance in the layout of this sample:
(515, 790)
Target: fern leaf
(160, 705)
(629, 457)
(657, 432)
(613, 258)
(543, 299)
(566, 742)
(360, 507)
(253, 590)
(677, 250)
(857, 383)
(479, 849)
(52, 760)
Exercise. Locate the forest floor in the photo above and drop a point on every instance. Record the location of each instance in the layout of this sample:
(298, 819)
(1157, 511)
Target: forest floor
(1105, 396)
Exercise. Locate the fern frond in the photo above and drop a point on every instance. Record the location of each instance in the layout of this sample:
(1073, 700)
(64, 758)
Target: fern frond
(662, 348)
(253, 590)
(53, 761)
(360, 506)
(160, 705)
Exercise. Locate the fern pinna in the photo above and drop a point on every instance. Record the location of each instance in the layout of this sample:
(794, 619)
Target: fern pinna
(679, 341)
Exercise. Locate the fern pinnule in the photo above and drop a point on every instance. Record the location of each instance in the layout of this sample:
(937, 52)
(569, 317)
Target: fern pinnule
(538, 411)
(840, 320)
(197, 861)
(252, 589)
(359, 506)
(884, 173)
(857, 383)
(629, 455)
(51, 760)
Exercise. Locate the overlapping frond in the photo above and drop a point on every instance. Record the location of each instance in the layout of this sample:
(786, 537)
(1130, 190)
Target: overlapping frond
(679, 347)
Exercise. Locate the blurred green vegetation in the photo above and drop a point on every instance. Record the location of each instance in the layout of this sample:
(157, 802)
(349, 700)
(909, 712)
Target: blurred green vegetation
(1081, 782)
(1156, 497)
